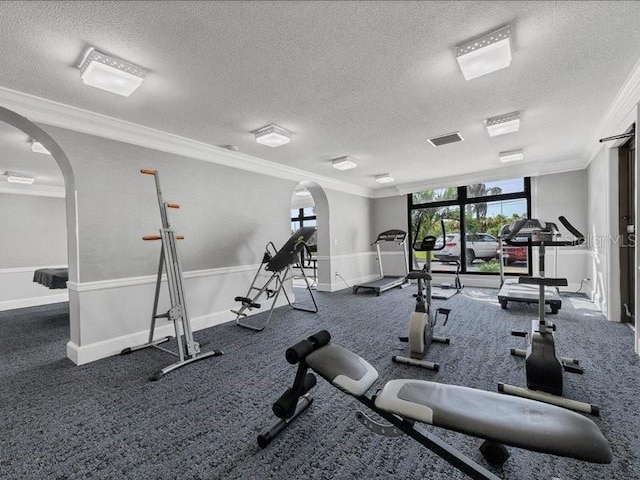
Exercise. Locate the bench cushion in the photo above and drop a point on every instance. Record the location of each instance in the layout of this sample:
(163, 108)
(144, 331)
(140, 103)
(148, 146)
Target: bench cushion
(514, 421)
(343, 369)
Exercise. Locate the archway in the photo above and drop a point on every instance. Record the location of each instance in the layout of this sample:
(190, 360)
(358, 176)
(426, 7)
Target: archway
(36, 133)
(323, 236)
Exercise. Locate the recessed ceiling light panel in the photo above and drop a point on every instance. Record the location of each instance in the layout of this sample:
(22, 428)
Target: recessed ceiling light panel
(485, 54)
(272, 136)
(19, 178)
(385, 178)
(343, 163)
(503, 124)
(37, 147)
(511, 156)
(110, 73)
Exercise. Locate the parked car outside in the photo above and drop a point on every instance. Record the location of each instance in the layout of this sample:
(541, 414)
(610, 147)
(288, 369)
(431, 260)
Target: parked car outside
(478, 246)
(512, 254)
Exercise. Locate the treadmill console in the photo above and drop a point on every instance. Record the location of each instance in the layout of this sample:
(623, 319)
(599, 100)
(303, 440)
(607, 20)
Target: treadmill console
(532, 228)
(397, 236)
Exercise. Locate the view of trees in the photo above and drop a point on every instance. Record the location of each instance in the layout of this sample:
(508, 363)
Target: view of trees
(426, 221)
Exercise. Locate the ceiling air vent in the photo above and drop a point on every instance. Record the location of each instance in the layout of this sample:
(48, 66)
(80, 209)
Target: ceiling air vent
(445, 139)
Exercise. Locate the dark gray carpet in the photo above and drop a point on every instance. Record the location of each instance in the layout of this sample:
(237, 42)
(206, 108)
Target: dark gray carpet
(105, 420)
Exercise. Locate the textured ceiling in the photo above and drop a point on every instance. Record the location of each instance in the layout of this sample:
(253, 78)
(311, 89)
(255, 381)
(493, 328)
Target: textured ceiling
(372, 80)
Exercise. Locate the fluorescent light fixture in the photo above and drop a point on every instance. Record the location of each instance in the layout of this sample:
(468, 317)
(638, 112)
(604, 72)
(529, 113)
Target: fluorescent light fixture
(385, 178)
(343, 163)
(485, 54)
(302, 192)
(507, 123)
(19, 178)
(38, 148)
(511, 156)
(110, 73)
(272, 136)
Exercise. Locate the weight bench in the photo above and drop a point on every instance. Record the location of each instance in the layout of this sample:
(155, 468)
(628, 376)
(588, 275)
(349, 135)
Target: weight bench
(497, 419)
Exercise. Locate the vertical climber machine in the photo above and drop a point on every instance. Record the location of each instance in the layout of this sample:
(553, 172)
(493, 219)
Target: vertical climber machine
(188, 348)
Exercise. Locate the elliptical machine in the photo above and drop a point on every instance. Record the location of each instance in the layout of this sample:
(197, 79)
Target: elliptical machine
(544, 367)
(422, 322)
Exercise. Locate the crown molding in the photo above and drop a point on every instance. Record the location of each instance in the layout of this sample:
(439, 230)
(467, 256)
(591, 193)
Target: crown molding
(57, 114)
(616, 120)
(33, 189)
(502, 173)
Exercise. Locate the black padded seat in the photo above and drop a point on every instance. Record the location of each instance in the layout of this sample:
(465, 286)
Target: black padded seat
(514, 421)
(53, 278)
(290, 251)
(343, 369)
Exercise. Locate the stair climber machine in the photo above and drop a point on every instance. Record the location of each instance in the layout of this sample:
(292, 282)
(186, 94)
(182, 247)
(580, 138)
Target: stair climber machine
(423, 320)
(544, 367)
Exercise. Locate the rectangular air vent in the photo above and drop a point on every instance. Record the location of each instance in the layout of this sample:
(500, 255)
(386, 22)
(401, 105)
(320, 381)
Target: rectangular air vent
(445, 139)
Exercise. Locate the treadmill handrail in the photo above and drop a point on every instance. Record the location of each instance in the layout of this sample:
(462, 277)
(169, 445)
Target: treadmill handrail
(511, 237)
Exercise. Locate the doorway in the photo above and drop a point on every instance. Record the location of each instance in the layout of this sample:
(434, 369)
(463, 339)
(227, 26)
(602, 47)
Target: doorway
(37, 134)
(627, 229)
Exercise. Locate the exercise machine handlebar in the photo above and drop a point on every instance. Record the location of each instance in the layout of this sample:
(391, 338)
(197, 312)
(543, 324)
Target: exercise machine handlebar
(428, 243)
(550, 228)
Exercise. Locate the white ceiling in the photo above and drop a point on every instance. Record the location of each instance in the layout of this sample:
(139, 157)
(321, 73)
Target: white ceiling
(372, 80)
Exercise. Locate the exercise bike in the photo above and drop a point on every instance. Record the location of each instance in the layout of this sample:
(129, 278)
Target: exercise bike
(544, 367)
(422, 322)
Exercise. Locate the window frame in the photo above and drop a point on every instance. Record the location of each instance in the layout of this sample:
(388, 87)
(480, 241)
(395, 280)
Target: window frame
(300, 219)
(462, 202)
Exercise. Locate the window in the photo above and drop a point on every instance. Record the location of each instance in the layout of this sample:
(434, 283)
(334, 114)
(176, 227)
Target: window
(304, 217)
(487, 208)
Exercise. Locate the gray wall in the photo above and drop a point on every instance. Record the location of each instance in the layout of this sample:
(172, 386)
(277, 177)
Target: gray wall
(390, 213)
(34, 231)
(349, 240)
(564, 194)
(226, 215)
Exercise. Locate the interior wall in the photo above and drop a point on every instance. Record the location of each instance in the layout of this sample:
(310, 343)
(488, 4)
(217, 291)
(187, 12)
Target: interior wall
(34, 231)
(226, 215)
(390, 213)
(34, 235)
(350, 253)
(564, 194)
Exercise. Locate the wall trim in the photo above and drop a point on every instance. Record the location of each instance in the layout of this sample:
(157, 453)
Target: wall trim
(81, 355)
(134, 281)
(27, 269)
(501, 173)
(34, 189)
(33, 301)
(615, 120)
(345, 255)
(57, 114)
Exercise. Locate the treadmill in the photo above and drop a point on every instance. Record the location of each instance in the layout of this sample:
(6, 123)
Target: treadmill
(523, 233)
(387, 282)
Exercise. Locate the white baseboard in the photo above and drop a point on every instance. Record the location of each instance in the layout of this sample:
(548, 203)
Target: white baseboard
(33, 301)
(18, 290)
(81, 355)
(350, 282)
